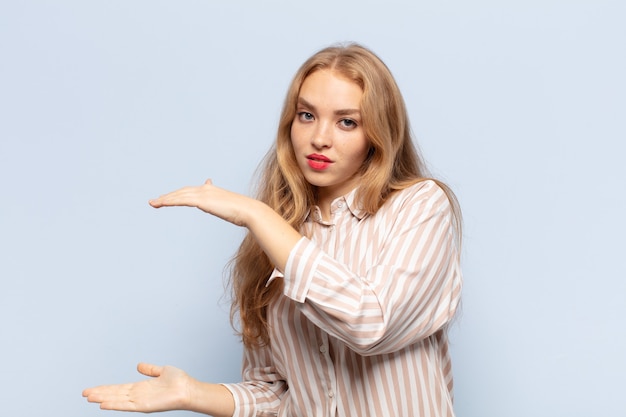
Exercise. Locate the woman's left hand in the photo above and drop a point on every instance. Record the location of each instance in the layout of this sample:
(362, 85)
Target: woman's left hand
(224, 204)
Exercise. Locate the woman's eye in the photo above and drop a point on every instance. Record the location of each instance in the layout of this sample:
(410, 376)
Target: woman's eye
(305, 116)
(348, 123)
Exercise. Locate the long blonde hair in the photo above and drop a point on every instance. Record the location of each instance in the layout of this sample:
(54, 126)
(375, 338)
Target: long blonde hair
(393, 163)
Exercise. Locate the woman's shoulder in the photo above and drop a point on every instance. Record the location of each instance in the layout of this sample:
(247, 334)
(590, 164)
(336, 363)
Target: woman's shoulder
(423, 194)
(419, 190)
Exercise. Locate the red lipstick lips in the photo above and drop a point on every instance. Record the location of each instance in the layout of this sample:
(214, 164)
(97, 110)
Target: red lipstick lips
(318, 162)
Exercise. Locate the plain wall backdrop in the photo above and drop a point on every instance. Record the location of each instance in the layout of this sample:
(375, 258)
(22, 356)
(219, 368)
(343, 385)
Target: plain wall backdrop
(519, 105)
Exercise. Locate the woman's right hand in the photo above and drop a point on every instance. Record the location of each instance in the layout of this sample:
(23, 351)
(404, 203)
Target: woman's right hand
(167, 389)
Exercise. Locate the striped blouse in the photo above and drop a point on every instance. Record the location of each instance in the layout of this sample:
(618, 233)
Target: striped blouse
(361, 328)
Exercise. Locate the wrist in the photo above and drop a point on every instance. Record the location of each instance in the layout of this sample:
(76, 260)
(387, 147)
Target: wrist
(253, 211)
(212, 399)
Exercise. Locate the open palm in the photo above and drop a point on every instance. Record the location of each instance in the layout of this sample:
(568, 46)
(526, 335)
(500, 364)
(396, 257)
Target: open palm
(168, 389)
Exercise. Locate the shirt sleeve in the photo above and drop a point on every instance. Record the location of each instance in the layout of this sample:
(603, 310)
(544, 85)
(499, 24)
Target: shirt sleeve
(411, 290)
(262, 388)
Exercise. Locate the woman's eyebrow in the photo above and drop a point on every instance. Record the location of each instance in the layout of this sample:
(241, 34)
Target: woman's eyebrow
(348, 112)
(341, 112)
(302, 102)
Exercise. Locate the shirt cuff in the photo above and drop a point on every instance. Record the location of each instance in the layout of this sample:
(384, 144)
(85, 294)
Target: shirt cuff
(244, 400)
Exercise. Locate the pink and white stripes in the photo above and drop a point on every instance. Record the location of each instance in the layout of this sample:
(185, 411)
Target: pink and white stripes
(361, 328)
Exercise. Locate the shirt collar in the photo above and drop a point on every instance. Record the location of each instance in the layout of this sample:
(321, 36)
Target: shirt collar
(350, 201)
(354, 206)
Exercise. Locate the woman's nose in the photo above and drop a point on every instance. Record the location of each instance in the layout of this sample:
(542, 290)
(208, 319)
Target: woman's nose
(322, 136)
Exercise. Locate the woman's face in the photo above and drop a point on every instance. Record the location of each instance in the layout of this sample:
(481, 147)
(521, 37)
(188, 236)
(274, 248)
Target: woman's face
(327, 133)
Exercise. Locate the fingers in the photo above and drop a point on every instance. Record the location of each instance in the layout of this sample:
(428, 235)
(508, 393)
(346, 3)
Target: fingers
(186, 196)
(111, 401)
(148, 369)
(124, 405)
(107, 393)
(107, 396)
(117, 392)
(175, 198)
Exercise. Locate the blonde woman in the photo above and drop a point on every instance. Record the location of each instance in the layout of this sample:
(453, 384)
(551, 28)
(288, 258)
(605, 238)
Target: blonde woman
(349, 274)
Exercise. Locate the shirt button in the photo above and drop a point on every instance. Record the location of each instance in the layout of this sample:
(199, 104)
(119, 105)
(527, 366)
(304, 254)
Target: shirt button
(331, 394)
(340, 204)
(323, 349)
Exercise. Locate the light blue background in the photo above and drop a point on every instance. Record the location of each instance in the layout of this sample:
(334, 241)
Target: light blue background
(519, 105)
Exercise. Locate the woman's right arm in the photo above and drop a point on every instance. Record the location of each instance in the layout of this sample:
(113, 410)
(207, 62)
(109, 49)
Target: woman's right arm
(170, 388)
